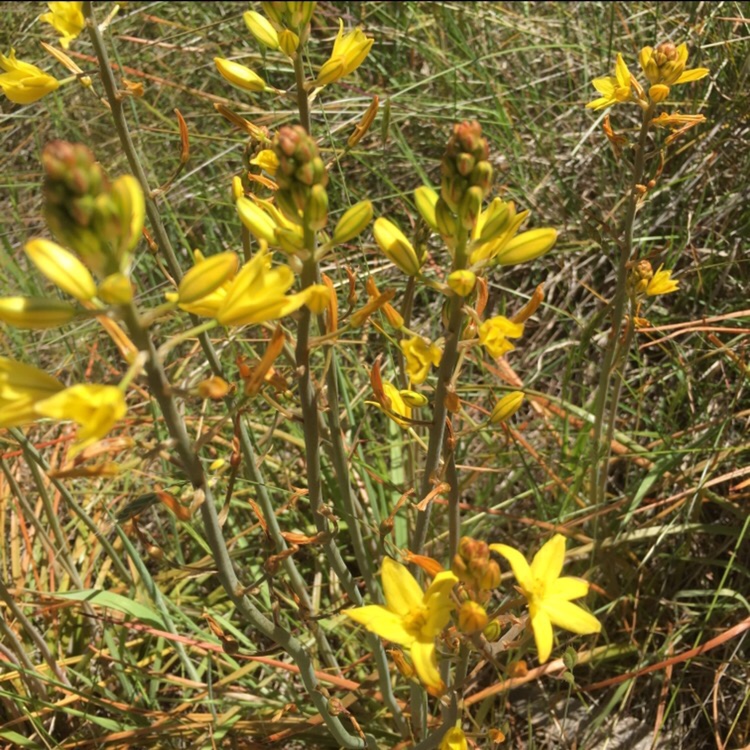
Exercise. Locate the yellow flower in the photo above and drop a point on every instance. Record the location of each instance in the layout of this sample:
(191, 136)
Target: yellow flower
(548, 595)
(66, 19)
(666, 63)
(420, 354)
(35, 312)
(258, 294)
(661, 283)
(454, 739)
(614, 89)
(267, 161)
(239, 75)
(95, 408)
(494, 334)
(396, 405)
(410, 617)
(349, 52)
(261, 28)
(21, 386)
(22, 82)
(392, 241)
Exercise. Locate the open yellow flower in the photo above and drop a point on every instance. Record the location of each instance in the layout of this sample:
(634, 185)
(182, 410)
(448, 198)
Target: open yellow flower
(21, 387)
(661, 283)
(614, 89)
(495, 332)
(349, 52)
(22, 82)
(454, 739)
(66, 19)
(420, 355)
(95, 408)
(549, 595)
(411, 618)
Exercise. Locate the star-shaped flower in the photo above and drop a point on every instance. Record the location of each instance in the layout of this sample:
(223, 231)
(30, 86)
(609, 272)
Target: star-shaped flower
(549, 596)
(614, 89)
(411, 618)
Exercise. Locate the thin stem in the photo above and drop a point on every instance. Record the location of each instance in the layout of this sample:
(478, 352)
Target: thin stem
(440, 414)
(303, 103)
(599, 468)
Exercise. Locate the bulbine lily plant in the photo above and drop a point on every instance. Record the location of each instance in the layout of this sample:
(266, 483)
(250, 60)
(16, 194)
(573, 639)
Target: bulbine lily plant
(276, 281)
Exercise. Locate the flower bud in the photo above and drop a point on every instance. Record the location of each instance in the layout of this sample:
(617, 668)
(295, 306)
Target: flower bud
(213, 388)
(414, 399)
(239, 75)
(361, 128)
(471, 207)
(35, 312)
(472, 618)
(492, 631)
(261, 29)
(207, 276)
(658, 93)
(445, 220)
(507, 406)
(116, 289)
(288, 42)
(316, 211)
(527, 246)
(490, 578)
(462, 282)
(426, 199)
(396, 247)
(61, 268)
(495, 220)
(352, 223)
(256, 220)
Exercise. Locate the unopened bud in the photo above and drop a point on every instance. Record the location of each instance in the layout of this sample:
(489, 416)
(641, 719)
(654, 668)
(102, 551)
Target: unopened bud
(35, 312)
(353, 222)
(445, 219)
(414, 399)
(316, 211)
(462, 282)
(527, 246)
(471, 207)
(116, 289)
(206, 277)
(62, 268)
(288, 42)
(426, 199)
(214, 388)
(507, 406)
(658, 92)
(318, 297)
(256, 220)
(472, 618)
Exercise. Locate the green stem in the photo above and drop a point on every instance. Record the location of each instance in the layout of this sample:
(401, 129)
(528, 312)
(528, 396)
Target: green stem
(440, 414)
(303, 103)
(599, 451)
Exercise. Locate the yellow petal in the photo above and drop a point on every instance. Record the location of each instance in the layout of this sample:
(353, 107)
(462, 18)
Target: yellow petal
(621, 72)
(605, 85)
(548, 562)
(425, 662)
(542, 627)
(402, 592)
(570, 617)
(695, 74)
(568, 588)
(61, 268)
(521, 569)
(382, 622)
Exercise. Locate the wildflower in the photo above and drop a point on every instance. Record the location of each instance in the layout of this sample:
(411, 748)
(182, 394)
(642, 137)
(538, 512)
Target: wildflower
(21, 387)
(549, 595)
(454, 739)
(665, 65)
(661, 283)
(352, 223)
(258, 294)
(66, 19)
(349, 52)
(494, 334)
(410, 617)
(239, 75)
(420, 354)
(507, 406)
(392, 241)
(35, 312)
(614, 89)
(95, 408)
(22, 82)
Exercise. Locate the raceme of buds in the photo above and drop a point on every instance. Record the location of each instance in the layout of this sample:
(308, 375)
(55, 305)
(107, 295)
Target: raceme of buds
(666, 63)
(392, 241)
(507, 406)
(474, 567)
(464, 166)
(639, 277)
(62, 268)
(22, 82)
(349, 52)
(301, 178)
(239, 75)
(99, 220)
